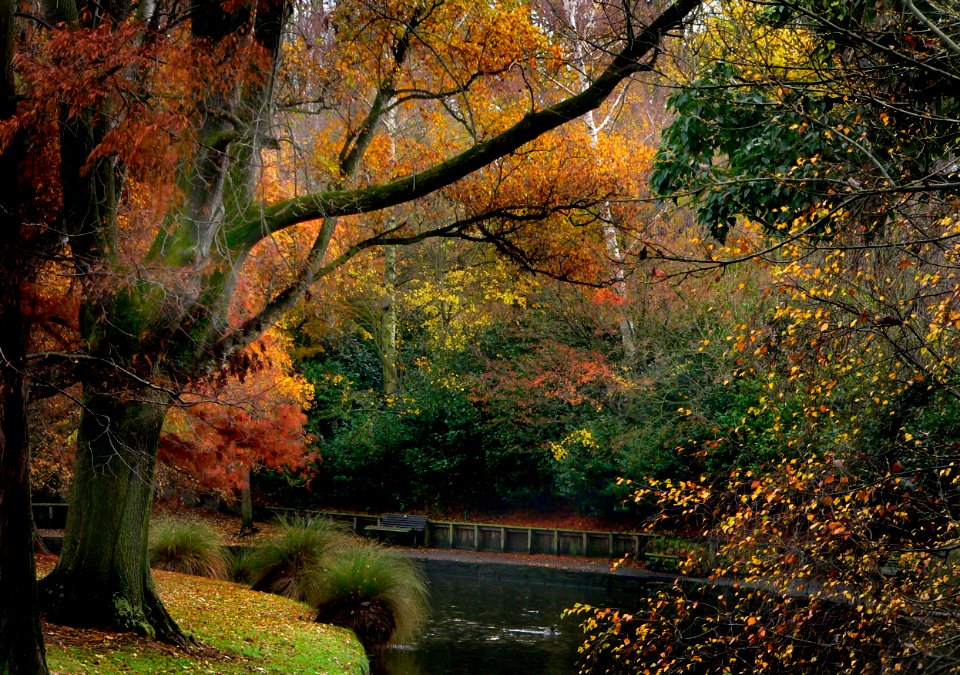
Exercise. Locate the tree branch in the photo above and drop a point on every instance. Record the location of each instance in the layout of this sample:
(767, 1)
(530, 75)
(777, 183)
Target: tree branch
(286, 298)
(246, 233)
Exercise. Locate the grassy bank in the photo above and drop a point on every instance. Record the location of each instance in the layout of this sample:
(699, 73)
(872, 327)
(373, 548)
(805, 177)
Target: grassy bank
(239, 630)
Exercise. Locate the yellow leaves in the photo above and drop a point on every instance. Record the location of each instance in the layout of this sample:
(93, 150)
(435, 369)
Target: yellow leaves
(458, 304)
(581, 437)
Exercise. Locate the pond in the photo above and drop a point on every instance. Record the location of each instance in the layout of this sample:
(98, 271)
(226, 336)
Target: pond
(493, 624)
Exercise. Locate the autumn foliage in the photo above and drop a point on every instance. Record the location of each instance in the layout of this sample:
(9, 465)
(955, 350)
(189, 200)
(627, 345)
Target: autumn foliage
(254, 420)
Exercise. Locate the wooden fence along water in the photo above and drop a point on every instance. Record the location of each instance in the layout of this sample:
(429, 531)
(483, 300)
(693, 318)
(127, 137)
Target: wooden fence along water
(49, 516)
(656, 550)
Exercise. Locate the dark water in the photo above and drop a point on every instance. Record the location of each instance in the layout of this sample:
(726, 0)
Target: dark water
(482, 626)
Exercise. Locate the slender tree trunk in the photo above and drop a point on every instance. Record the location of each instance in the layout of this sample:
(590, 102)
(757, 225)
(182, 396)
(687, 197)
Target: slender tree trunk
(388, 323)
(627, 328)
(246, 504)
(103, 577)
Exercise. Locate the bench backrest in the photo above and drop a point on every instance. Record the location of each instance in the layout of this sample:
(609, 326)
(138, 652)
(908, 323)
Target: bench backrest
(418, 523)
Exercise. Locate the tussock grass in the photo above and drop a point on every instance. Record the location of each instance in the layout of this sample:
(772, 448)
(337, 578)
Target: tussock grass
(239, 567)
(188, 547)
(240, 631)
(291, 563)
(374, 591)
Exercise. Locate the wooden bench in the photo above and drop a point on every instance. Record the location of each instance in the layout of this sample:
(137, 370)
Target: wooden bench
(397, 525)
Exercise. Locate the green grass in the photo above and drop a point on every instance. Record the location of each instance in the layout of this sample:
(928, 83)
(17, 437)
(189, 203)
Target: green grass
(189, 547)
(254, 633)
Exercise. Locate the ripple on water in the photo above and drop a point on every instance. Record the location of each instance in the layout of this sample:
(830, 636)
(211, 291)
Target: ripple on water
(491, 627)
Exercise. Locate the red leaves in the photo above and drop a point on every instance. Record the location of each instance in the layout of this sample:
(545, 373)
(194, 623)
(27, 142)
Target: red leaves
(253, 418)
(548, 381)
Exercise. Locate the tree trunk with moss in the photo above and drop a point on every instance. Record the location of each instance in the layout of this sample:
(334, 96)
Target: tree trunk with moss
(103, 577)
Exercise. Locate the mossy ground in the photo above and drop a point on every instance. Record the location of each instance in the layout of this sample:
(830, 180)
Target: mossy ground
(238, 631)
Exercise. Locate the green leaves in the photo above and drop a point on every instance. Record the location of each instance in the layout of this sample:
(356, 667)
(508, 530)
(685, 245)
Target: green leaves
(737, 148)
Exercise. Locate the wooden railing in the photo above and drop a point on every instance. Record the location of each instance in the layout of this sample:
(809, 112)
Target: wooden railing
(50, 516)
(657, 550)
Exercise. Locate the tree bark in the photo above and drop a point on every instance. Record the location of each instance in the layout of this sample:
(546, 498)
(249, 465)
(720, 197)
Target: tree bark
(21, 639)
(246, 504)
(103, 577)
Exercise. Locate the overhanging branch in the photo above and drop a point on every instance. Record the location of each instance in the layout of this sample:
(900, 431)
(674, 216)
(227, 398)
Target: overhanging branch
(335, 203)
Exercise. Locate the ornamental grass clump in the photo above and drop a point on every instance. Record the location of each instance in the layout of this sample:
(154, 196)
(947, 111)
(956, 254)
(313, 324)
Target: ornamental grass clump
(188, 547)
(291, 563)
(238, 569)
(376, 592)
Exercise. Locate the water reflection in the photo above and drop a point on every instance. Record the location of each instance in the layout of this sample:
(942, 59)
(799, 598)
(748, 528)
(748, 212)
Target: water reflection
(493, 627)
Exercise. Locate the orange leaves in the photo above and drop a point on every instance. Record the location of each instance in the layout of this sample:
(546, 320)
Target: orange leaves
(254, 420)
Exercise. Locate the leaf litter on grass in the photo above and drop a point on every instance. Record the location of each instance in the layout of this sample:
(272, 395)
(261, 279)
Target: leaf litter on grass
(237, 631)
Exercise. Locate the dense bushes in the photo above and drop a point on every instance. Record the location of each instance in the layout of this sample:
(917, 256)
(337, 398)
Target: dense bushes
(433, 446)
(538, 408)
(515, 422)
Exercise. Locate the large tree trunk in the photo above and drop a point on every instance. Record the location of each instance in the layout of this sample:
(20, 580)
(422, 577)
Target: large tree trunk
(21, 640)
(103, 577)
